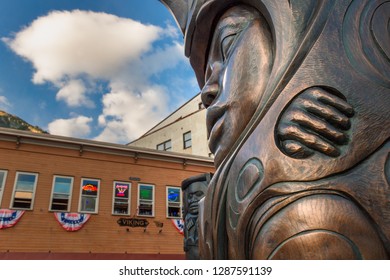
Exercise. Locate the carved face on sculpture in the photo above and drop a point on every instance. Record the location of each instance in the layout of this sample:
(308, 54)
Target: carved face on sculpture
(238, 67)
(196, 191)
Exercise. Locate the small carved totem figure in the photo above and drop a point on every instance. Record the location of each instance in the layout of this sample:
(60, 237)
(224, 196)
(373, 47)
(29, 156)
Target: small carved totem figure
(298, 116)
(194, 189)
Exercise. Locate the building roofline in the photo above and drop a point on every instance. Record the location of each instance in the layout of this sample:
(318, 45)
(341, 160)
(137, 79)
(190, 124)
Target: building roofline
(20, 137)
(147, 132)
(175, 121)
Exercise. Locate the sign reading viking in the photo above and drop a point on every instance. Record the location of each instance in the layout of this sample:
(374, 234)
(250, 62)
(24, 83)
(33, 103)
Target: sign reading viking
(298, 99)
(133, 222)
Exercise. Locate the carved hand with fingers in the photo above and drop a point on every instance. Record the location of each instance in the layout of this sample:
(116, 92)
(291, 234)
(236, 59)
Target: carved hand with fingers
(317, 120)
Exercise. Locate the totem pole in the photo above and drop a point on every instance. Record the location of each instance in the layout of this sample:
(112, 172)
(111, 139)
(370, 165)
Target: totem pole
(194, 189)
(298, 116)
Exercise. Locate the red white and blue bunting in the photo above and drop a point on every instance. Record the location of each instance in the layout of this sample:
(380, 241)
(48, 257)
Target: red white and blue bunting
(9, 218)
(179, 225)
(71, 221)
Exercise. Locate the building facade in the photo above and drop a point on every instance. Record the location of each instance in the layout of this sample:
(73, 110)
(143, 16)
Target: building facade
(184, 131)
(67, 198)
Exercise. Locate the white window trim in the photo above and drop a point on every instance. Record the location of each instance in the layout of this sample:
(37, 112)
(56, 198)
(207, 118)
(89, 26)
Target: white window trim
(2, 184)
(33, 192)
(81, 196)
(52, 193)
(153, 201)
(167, 203)
(128, 200)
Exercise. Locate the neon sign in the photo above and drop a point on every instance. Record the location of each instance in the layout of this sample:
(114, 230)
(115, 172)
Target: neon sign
(90, 188)
(173, 197)
(121, 190)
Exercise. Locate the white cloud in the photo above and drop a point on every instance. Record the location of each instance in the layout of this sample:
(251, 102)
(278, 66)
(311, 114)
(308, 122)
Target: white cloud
(128, 114)
(74, 94)
(171, 30)
(74, 50)
(4, 103)
(74, 127)
(70, 43)
(163, 59)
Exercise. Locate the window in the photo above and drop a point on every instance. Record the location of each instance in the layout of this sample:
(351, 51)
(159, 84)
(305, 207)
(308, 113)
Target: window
(121, 200)
(61, 193)
(173, 202)
(3, 177)
(165, 146)
(187, 140)
(145, 200)
(89, 198)
(24, 190)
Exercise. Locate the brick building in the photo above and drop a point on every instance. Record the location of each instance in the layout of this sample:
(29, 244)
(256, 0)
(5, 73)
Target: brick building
(131, 196)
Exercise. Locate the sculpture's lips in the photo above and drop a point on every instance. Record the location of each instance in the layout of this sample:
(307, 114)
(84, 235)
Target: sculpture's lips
(214, 123)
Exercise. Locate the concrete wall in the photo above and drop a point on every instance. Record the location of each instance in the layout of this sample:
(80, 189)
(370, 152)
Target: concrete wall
(186, 109)
(196, 123)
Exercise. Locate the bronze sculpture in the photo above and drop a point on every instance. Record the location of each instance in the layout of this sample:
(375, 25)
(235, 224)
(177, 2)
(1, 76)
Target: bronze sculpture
(298, 99)
(194, 189)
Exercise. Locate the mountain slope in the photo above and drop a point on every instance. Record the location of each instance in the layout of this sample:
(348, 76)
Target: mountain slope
(11, 121)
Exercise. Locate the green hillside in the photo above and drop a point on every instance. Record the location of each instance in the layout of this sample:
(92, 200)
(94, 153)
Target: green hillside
(11, 121)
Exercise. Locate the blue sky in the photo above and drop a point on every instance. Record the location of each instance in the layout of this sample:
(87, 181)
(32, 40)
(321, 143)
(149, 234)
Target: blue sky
(106, 70)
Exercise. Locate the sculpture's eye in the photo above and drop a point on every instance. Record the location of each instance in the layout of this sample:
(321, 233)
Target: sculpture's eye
(199, 193)
(226, 45)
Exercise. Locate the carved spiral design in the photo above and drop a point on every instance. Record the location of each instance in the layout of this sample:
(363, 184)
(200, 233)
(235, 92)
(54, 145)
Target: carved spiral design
(366, 37)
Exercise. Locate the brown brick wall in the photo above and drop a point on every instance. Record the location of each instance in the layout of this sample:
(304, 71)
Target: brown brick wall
(38, 231)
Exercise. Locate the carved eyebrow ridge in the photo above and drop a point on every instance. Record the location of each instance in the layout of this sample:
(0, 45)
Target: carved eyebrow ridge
(228, 26)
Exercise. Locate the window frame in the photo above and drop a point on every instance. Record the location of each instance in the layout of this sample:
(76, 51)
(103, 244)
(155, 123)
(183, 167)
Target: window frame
(69, 197)
(2, 183)
(185, 141)
(128, 199)
(153, 199)
(33, 190)
(83, 195)
(164, 144)
(167, 203)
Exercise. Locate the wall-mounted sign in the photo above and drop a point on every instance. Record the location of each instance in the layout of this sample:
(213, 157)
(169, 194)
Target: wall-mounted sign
(132, 222)
(134, 179)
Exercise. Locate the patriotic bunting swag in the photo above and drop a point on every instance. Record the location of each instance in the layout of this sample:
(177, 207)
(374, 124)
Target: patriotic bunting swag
(9, 218)
(179, 225)
(71, 221)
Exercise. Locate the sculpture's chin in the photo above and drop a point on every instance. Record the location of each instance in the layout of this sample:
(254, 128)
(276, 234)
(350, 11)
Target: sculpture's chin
(219, 156)
(215, 136)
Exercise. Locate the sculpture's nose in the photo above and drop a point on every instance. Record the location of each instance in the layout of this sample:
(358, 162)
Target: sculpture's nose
(211, 88)
(209, 93)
